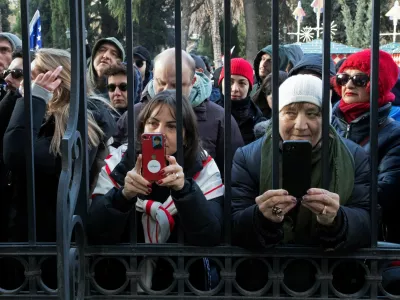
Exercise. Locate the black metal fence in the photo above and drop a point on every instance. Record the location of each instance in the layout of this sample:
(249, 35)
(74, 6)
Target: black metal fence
(77, 262)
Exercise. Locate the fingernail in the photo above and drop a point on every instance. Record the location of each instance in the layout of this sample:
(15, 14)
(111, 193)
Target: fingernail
(149, 186)
(286, 193)
(304, 197)
(60, 67)
(168, 156)
(162, 172)
(150, 190)
(159, 182)
(294, 199)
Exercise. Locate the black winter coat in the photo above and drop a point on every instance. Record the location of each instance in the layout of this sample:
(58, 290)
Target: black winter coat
(252, 230)
(210, 124)
(47, 166)
(7, 105)
(388, 161)
(247, 115)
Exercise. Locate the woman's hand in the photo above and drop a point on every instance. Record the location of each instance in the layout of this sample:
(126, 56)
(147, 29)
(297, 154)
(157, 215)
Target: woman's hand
(135, 183)
(174, 176)
(274, 204)
(322, 203)
(49, 80)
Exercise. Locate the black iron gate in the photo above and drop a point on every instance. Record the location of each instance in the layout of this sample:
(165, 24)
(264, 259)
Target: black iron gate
(77, 261)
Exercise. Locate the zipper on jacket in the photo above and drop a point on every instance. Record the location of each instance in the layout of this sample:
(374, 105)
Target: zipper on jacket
(347, 130)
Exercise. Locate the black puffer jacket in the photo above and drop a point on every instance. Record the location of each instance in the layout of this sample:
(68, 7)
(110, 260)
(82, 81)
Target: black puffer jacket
(247, 115)
(388, 160)
(252, 230)
(7, 105)
(47, 166)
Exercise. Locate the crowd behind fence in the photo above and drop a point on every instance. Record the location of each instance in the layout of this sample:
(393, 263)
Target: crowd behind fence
(78, 262)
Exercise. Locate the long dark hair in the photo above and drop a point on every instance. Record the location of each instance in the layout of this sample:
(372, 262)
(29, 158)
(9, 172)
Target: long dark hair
(260, 97)
(192, 148)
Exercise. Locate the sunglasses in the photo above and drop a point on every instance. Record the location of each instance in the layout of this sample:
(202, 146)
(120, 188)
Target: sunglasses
(15, 73)
(359, 80)
(139, 63)
(122, 87)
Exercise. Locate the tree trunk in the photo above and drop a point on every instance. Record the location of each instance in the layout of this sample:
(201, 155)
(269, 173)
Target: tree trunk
(185, 22)
(250, 15)
(216, 38)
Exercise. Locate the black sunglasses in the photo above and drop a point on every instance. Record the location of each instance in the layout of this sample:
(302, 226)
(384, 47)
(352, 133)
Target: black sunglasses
(15, 73)
(360, 80)
(122, 87)
(139, 63)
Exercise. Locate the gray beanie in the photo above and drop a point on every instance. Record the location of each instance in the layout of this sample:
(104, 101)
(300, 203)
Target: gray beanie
(12, 38)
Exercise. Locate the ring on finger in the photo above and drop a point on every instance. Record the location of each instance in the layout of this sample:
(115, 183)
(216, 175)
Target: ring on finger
(276, 211)
(323, 212)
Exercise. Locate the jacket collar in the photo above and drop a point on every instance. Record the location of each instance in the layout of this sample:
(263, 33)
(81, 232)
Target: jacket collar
(358, 129)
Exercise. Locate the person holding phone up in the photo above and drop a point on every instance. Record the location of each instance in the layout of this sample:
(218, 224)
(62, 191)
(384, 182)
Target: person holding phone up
(190, 196)
(334, 218)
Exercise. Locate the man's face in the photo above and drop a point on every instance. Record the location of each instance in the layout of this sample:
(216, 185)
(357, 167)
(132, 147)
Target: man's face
(140, 64)
(14, 77)
(106, 56)
(265, 66)
(5, 54)
(164, 78)
(117, 92)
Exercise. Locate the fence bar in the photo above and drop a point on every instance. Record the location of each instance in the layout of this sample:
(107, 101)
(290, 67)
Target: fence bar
(227, 141)
(374, 120)
(228, 122)
(82, 204)
(29, 149)
(275, 94)
(179, 128)
(326, 103)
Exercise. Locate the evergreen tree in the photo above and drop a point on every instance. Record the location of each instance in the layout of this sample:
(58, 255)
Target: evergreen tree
(59, 23)
(5, 12)
(359, 23)
(348, 23)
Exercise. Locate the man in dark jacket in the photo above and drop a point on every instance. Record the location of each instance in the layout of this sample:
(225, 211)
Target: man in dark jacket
(8, 44)
(13, 78)
(142, 60)
(197, 88)
(263, 64)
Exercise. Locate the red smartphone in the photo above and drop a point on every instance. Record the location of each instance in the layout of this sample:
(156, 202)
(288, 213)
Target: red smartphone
(153, 156)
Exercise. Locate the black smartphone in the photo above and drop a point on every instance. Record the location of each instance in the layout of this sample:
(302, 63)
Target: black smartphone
(296, 168)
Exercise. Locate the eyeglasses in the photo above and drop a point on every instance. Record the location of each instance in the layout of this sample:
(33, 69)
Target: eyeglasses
(139, 63)
(122, 87)
(359, 80)
(15, 73)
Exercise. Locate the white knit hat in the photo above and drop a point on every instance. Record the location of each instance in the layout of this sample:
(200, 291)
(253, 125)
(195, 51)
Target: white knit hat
(302, 88)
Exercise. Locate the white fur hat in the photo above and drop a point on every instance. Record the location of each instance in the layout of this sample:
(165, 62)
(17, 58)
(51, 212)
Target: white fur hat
(302, 88)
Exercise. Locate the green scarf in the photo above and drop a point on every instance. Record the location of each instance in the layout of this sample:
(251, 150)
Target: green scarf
(300, 223)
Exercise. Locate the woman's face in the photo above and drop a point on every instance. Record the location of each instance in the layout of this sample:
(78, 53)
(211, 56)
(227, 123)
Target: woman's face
(302, 121)
(352, 93)
(239, 87)
(161, 120)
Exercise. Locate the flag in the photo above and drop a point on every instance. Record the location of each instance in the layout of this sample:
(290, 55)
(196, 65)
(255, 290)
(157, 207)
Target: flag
(35, 32)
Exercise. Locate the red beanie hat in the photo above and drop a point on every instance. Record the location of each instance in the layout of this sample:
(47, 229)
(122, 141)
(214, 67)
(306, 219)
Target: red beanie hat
(242, 67)
(388, 72)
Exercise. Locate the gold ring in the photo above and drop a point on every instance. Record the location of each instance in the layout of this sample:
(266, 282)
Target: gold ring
(276, 211)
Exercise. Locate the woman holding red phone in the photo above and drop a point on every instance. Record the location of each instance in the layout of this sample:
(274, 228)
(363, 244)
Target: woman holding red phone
(191, 195)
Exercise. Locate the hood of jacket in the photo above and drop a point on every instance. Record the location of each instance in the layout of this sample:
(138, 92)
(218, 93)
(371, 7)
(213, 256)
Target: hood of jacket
(283, 59)
(96, 83)
(312, 62)
(294, 53)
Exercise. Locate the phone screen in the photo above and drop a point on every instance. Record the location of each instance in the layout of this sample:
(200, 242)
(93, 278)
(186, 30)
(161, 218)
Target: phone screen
(296, 167)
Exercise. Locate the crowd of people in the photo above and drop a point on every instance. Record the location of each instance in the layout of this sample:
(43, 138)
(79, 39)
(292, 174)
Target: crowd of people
(191, 196)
